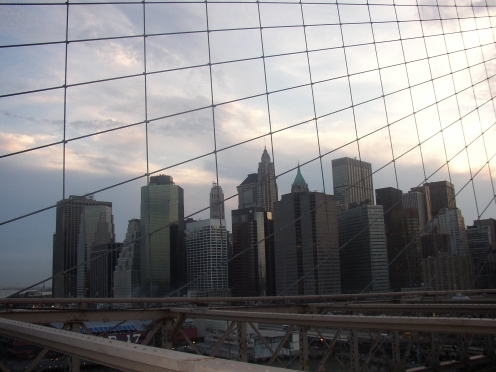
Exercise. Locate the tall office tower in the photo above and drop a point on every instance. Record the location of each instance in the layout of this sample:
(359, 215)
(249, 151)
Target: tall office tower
(266, 183)
(217, 202)
(97, 228)
(306, 242)
(101, 276)
(363, 257)
(259, 189)
(442, 195)
(435, 243)
(481, 250)
(491, 223)
(417, 200)
(253, 267)
(69, 215)
(426, 199)
(450, 221)
(352, 181)
(163, 253)
(404, 250)
(247, 192)
(390, 199)
(206, 246)
(447, 272)
(127, 274)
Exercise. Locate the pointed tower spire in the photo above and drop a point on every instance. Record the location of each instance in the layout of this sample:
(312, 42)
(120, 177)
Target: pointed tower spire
(299, 184)
(265, 156)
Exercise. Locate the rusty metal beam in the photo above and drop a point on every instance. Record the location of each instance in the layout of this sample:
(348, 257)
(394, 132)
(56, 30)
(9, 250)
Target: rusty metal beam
(124, 356)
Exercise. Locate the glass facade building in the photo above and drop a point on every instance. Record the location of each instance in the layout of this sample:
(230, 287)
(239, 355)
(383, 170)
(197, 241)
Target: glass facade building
(163, 254)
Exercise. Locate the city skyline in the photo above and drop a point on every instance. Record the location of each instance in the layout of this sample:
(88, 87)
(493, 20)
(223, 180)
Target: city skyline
(215, 99)
(229, 227)
(163, 198)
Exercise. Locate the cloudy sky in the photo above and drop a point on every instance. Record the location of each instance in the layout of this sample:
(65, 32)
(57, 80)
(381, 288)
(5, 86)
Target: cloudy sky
(391, 95)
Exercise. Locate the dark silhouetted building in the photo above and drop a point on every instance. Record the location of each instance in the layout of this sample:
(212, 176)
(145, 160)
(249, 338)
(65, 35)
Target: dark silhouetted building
(76, 228)
(127, 273)
(253, 267)
(442, 196)
(491, 223)
(363, 252)
(446, 272)
(481, 250)
(259, 189)
(390, 199)
(418, 200)
(101, 276)
(306, 242)
(404, 250)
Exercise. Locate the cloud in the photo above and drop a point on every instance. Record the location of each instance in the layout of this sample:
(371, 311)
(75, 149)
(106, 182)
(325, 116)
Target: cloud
(14, 142)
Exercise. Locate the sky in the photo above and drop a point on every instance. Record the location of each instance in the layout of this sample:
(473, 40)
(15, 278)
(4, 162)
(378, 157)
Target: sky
(359, 91)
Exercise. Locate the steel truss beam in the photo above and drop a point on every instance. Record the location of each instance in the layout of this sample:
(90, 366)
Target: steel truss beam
(81, 302)
(407, 308)
(427, 324)
(124, 356)
(395, 323)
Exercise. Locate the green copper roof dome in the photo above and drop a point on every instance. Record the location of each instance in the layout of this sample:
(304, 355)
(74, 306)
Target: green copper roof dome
(299, 184)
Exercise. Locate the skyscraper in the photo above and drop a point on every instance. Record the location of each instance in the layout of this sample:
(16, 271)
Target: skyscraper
(163, 253)
(206, 246)
(480, 248)
(97, 228)
(253, 244)
(266, 183)
(352, 181)
(247, 192)
(491, 223)
(417, 200)
(253, 266)
(101, 276)
(425, 199)
(404, 250)
(69, 216)
(451, 221)
(363, 254)
(306, 242)
(442, 196)
(127, 274)
(390, 199)
(259, 189)
(217, 202)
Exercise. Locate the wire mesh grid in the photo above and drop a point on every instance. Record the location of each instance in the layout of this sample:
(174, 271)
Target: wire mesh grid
(96, 97)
